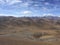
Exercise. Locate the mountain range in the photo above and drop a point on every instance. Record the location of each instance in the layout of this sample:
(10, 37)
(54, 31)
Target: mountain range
(46, 22)
(34, 30)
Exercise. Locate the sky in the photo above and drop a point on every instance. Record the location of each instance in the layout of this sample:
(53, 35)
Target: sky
(29, 8)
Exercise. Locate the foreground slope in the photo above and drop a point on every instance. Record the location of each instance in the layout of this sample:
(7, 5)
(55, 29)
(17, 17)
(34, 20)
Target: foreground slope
(29, 30)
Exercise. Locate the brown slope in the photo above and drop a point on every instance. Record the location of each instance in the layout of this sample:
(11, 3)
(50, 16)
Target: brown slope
(39, 22)
(13, 41)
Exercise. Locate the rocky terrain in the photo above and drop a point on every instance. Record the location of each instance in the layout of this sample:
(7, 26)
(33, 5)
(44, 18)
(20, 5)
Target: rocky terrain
(34, 30)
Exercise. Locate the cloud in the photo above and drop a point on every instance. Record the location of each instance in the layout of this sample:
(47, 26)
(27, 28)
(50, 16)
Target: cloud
(25, 4)
(15, 1)
(10, 2)
(45, 9)
(2, 2)
(26, 12)
(47, 3)
(48, 14)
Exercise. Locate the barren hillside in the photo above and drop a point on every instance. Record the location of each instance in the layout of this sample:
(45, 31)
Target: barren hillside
(29, 30)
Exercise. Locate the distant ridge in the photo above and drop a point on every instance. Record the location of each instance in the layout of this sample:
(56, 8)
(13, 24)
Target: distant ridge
(46, 22)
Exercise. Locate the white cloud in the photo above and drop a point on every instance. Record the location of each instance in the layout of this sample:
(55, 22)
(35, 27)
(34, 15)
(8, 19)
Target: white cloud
(15, 1)
(2, 2)
(46, 3)
(12, 2)
(48, 14)
(45, 9)
(26, 4)
(26, 12)
(9, 2)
